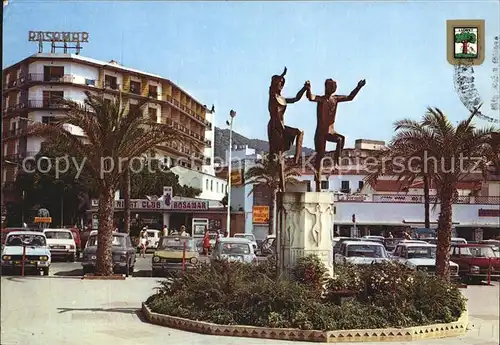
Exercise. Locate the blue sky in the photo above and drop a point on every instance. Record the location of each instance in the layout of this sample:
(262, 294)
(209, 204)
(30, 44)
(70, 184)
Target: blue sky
(226, 52)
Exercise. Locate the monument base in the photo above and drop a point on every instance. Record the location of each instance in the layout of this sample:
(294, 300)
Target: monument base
(306, 227)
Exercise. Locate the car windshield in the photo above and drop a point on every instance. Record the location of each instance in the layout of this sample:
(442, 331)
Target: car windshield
(421, 252)
(118, 241)
(29, 240)
(235, 248)
(151, 233)
(248, 237)
(365, 250)
(60, 235)
(482, 252)
(176, 244)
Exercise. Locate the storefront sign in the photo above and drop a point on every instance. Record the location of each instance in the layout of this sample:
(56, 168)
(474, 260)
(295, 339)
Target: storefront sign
(43, 220)
(490, 212)
(144, 204)
(260, 214)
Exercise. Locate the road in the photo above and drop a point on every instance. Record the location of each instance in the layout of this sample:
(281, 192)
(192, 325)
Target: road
(72, 269)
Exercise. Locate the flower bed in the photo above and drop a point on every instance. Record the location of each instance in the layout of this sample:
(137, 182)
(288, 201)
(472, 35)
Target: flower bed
(384, 296)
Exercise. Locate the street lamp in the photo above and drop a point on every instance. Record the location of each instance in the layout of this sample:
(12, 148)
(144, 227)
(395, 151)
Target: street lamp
(229, 122)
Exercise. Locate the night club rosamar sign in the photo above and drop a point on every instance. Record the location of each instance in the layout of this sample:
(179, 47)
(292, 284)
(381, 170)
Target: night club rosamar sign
(148, 205)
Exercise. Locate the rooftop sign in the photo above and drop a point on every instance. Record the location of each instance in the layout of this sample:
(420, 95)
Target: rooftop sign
(54, 37)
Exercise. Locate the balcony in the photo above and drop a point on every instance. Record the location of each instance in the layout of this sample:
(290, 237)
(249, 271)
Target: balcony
(10, 133)
(19, 157)
(40, 77)
(414, 199)
(46, 104)
(188, 111)
(14, 107)
(153, 95)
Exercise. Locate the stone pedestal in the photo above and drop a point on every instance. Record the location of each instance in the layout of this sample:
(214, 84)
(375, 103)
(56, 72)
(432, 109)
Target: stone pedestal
(306, 227)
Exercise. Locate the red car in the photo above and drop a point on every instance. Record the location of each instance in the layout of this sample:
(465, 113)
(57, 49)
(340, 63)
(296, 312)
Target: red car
(474, 261)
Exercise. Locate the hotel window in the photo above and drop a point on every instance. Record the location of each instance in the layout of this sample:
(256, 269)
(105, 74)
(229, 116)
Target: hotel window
(361, 184)
(53, 73)
(217, 187)
(48, 120)
(211, 185)
(110, 81)
(153, 91)
(206, 184)
(90, 82)
(133, 107)
(52, 97)
(135, 87)
(344, 186)
(152, 113)
(324, 185)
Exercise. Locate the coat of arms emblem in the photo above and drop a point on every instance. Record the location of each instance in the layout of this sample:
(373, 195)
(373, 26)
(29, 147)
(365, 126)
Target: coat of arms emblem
(465, 42)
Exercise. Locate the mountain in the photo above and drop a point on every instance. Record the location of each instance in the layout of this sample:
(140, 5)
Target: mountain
(260, 146)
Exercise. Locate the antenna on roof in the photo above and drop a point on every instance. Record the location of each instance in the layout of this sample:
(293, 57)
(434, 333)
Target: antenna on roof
(121, 58)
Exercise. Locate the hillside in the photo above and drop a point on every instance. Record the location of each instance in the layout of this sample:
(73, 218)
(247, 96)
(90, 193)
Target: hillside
(222, 143)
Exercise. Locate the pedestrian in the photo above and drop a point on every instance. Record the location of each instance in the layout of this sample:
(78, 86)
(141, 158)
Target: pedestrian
(390, 235)
(183, 231)
(206, 242)
(165, 231)
(144, 241)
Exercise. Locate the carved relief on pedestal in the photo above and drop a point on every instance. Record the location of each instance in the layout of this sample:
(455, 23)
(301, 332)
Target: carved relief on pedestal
(317, 228)
(292, 214)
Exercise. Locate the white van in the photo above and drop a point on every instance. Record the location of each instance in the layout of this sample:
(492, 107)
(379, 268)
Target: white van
(61, 244)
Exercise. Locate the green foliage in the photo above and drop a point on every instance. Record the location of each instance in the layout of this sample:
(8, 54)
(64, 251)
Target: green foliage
(385, 295)
(469, 37)
(148, 177)
(311, 272)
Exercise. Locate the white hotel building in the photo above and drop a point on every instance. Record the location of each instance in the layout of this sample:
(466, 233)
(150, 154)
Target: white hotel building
(387, 206)
(32, 86)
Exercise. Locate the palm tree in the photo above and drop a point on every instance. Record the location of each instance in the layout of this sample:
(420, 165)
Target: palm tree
(451, 154)
(267, 173)
(114, 137)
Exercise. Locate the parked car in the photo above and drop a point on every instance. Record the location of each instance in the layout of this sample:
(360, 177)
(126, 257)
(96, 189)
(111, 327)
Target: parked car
(249, 237)
(37, 253)
(171, 252)
(235, 249)
(454, 240)
(495, 245)
(268, 246)
(391, 243)
(361, 253)
(153, 238)
(421, 256)
(475, 260)
(338, 243)
(61, 244)
(123, 252)
(373, 238)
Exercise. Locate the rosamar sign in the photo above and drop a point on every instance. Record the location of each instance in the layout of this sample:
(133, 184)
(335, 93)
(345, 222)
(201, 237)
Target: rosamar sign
(55, 36)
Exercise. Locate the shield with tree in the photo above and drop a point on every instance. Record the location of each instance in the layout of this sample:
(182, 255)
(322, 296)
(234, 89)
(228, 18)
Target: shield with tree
(466, 43)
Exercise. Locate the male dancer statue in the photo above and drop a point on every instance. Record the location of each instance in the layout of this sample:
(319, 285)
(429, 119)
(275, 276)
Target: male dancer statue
(326, 113)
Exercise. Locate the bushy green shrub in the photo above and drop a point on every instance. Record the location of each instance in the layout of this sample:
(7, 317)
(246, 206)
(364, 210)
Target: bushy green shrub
(384, 295)
(311, 272)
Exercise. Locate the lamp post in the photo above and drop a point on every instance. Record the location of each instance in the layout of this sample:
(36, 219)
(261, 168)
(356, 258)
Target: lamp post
(229, 122)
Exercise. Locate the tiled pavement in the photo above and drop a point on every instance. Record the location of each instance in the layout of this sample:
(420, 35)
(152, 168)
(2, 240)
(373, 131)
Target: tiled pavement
(55, 310)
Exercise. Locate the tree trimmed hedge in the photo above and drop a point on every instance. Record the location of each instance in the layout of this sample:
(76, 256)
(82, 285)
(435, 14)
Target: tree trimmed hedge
(383, 295)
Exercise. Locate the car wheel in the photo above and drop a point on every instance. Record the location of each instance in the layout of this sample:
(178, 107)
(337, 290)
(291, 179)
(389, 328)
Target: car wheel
(72, 258)
(45, 271)
(85, 271)
(131, 270)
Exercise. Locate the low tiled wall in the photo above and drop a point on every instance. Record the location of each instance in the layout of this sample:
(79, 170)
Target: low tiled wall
(444, 330)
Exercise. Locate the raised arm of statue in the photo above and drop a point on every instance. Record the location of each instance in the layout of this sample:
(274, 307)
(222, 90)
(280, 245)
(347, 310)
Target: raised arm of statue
(350, 97)
(309, 95)
(298, 96)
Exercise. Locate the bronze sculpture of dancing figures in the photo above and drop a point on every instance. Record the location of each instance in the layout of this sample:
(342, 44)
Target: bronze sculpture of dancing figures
(326, 113)
(281, 137)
